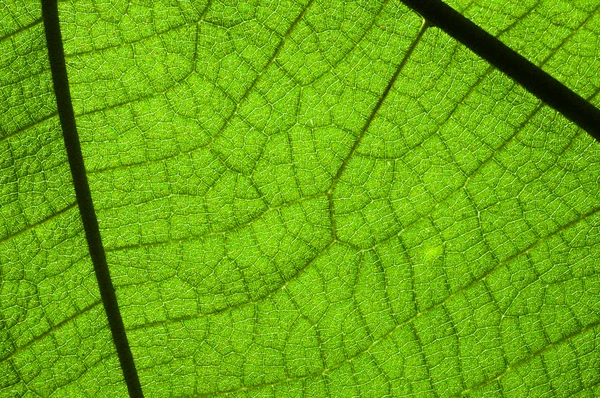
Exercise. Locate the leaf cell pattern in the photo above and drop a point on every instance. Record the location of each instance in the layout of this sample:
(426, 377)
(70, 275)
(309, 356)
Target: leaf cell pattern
(315, 198)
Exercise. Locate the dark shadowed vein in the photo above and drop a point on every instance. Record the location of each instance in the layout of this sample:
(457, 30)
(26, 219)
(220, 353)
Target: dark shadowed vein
(367, 124)
(21, 29)
(84, 197)
(51, 329)
(55, 214)
(29, 126)
(517, 67)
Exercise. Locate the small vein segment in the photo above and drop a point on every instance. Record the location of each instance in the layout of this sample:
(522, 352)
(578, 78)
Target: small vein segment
(84, 198)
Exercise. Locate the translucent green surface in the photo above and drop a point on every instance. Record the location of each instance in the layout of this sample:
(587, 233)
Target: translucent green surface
(315, 199)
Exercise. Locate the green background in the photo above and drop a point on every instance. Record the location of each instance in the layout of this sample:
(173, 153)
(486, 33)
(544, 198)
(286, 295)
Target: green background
(278, 223)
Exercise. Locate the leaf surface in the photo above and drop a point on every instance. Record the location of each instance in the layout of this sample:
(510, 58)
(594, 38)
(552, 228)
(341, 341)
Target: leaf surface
(320, 198)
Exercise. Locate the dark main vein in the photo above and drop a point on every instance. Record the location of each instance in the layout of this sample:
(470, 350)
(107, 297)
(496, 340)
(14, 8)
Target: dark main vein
(84, 198)
(517, 67)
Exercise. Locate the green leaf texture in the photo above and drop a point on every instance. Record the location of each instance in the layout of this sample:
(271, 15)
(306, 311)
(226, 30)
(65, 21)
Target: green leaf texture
(300, 199)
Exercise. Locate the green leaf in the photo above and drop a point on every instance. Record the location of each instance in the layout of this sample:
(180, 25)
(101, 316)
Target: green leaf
(322, 198)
